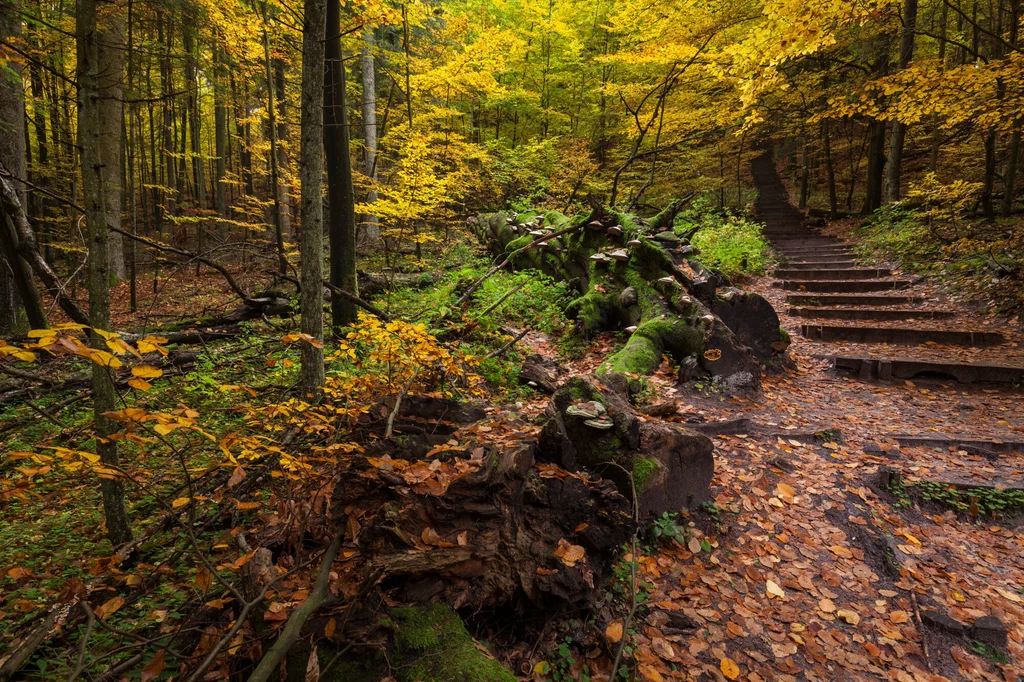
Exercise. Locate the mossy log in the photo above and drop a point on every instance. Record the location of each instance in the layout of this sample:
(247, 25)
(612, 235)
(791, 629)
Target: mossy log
(592, 426)
(641, 277)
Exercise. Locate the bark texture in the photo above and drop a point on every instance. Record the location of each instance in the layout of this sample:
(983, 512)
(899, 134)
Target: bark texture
(100, 29)
(311, 170)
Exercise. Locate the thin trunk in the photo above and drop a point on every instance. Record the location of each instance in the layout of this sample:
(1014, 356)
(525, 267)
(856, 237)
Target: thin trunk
(805, 172)
(1010, 173)
(371, 229)
(876, 163)
(408, 104)
(830, 170)
(311, 170)
(894, 163)
(283, 188)
(100, 39)
(220, 115)
(340, 198)
(933, 162)
(275, 178)
(988, 185)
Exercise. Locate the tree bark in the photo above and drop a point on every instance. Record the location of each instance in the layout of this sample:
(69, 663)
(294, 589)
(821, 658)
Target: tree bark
(340, 198)
(283, 188)
(876, 164)
(15, 276)
(899, 129)
(275, 176)
(99, 37)
(371, 229)
(830, 170)
(220, 108)
(311, 169)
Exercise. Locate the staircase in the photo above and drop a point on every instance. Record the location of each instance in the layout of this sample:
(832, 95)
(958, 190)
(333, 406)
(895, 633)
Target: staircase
(882, 326)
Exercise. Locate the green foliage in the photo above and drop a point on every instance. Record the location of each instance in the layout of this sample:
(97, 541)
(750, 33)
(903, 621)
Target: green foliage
(666, 527)
(989, 652)
(731, 243)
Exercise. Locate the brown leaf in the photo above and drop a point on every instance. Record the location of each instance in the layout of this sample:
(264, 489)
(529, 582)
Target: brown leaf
(156, 665)
(236, 477)
(729, 668)
(899, 616)
(313, 667)
(109, 607)
(330, 627)
(203, 579)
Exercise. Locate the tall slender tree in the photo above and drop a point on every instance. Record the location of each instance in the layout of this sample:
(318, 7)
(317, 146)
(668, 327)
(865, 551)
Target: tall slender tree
(340, 198)
(100, 56)
(311, 170)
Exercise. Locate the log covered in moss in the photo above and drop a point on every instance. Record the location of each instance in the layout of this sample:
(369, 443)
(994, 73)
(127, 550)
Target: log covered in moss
(645, 278)
(592, 426)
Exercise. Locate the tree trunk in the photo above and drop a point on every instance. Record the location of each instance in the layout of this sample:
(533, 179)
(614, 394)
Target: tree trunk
(899, 129)
(311, 169)
(830, 170)
(220, 114)
(15, 275)
(370, 228)
(988, 208)
(805, 173)
(275, 176)
(194, 123)
(100, 40)
(1010, 174)
(876, 164)
(340, 198)
(283, 187)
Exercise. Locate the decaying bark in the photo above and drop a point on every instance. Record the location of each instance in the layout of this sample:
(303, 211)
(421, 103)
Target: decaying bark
(490, 538)
(644, 278)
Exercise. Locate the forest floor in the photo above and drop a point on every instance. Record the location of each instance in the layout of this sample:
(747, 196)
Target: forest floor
(803, 567)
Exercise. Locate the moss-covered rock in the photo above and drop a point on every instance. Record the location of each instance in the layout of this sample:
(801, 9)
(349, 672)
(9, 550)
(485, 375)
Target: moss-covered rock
(433, 645)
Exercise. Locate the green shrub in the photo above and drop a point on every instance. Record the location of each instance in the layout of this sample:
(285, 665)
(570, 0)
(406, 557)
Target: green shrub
(730, 243)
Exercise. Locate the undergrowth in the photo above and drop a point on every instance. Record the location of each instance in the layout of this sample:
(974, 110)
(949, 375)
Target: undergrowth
(728, 242)
(933, 232)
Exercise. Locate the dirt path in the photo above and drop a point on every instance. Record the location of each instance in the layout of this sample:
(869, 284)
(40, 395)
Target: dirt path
(818, 572)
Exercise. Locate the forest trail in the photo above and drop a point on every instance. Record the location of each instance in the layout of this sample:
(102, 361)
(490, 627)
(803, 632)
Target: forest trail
(872, 320)
(860, 529)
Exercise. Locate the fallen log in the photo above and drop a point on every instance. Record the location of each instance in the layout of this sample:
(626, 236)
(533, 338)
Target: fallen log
(644, 279)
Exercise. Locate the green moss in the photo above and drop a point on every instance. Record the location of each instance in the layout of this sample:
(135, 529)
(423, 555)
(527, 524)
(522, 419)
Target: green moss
(783, 334)
(437, 648)
(643, 471)
(640, 355)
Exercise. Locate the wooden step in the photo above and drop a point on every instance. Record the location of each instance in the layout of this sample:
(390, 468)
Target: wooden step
(900, 335)
(851, 299)
(826, 265)
(945, 442)
(811, 261)
(871, 313)
(833, 273)
(841, 287)
(888, 369)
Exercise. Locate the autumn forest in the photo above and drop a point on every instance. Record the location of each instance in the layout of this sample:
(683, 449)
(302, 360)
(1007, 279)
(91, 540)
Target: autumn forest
(495, 340)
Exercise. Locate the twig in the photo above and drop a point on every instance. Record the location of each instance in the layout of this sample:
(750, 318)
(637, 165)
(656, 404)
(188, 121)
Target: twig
(398, 404)
(504, 297)
(920, 629)
(504, 349)
(293, 628)
(80, 663)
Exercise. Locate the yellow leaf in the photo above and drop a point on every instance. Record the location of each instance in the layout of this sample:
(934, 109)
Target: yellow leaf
(729, 668)
(147, 372)
(613, 633)
(140, 384)
(774, 590)
(180, 502)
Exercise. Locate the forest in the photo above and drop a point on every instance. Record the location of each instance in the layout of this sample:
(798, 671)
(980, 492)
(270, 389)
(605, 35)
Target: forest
(497, 340)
